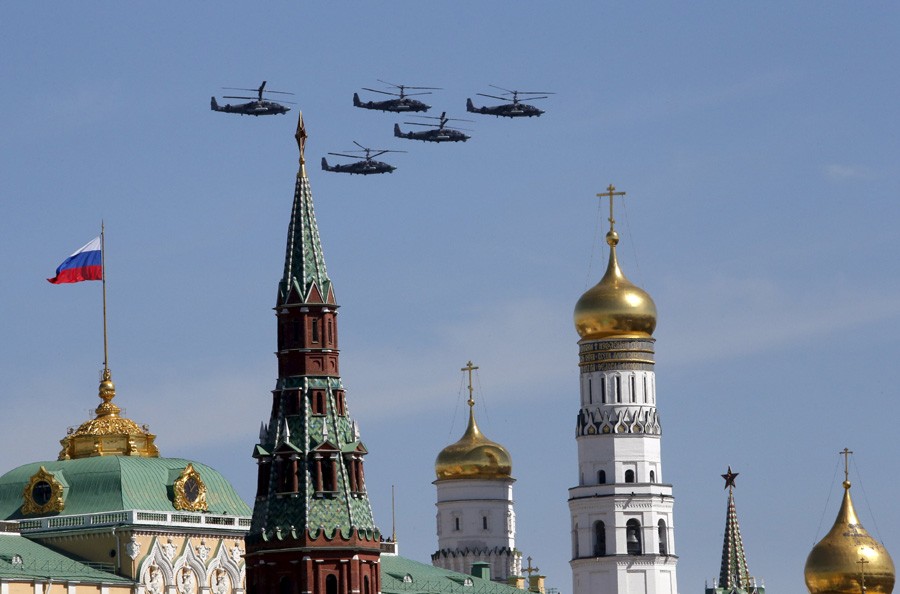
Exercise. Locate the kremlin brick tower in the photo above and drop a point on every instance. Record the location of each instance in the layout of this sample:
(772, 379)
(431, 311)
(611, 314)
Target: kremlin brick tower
(312, 530)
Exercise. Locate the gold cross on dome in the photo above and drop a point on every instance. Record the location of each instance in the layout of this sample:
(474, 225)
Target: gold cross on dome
(529, 570)
(470, 368)
(610, 192)
(846, 454)
(862, 573)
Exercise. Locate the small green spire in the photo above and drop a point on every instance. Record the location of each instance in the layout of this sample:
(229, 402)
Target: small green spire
(304, 261)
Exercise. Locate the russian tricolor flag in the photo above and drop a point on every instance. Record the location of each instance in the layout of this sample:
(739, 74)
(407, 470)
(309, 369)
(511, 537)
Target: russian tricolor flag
(84, 265)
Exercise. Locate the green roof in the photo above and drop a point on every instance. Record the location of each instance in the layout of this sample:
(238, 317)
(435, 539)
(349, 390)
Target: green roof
(427, 579)
(115, 483)
(23, 559)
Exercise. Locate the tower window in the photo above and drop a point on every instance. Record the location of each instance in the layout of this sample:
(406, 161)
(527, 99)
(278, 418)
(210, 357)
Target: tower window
(601, 477)
(599, 539)
(646, 394)
(629, 476)
(633, 389)
(652, 477)
(331, 584)
(315, 330)
(484, 525)
(318, 402)
(328, 329)
(633, 537)
(456, 523)
(295, 331)
(590, 393)
(618, 388)
(603, 390)
(663, 538)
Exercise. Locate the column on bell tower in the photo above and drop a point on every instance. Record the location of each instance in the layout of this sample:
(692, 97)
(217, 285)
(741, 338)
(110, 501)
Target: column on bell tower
(312, 530)
(621, 510)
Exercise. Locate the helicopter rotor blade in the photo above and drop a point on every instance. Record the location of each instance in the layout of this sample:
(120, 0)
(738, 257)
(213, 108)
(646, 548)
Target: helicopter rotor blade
(239, 89)
(494, 97)
(501, 88)
(412, 94)
(360, 146)
(233, 97)
(343, 155)
(279, 92)
(382, 92)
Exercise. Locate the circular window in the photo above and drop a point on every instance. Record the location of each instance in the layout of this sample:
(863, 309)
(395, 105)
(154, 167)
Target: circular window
(42, 492)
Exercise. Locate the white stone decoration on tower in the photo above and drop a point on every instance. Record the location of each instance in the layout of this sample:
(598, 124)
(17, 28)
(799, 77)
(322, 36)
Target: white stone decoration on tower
(621, 511)
(475, 518)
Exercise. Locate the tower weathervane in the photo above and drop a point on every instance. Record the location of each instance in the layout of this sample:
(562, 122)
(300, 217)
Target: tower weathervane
(610, 192)
(470, 368)
(301, 138)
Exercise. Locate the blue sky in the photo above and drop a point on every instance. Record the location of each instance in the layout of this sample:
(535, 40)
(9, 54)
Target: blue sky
(758, 145)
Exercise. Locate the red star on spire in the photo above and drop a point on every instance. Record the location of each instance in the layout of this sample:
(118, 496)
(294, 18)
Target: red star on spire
(729, 478)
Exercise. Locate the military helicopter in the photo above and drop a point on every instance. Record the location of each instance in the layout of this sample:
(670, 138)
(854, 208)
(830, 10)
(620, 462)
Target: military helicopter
(442, 134)
(255, 108)
(397, 105)
(509, 110)
(365, 167)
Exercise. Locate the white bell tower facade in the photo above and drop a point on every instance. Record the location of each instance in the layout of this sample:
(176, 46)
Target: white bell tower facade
(621, 510)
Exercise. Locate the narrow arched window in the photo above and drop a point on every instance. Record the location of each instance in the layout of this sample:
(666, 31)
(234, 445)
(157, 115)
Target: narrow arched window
(575, 542)
(599, 539)
(315, 330)
(652, 477)
(633, 537)
(284, 585)
(331, 584)
(633, 389)
(603, 390)
(601, 477)
(663, 538)
(618, 388)
(629, 476)
(484, 522)
(590, 393)
(456, 522)
(366, 585)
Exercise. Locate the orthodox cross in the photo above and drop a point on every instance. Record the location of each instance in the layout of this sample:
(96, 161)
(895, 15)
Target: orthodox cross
(862, 572)
(529, 570)
(846, 454)
(729, 479)
(470, 368)
(301, 138)
(610, 192)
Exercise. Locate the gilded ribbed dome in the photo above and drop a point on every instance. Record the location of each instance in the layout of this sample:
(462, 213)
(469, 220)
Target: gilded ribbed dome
(614, 306)
(474, 456)
(108, 434)
(835, 565)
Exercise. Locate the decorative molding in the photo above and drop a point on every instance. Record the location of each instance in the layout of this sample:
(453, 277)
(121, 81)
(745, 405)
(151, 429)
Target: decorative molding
(617, 420)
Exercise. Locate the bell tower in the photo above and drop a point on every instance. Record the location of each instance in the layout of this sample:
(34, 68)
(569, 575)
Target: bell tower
(312, 530)
(621, 509)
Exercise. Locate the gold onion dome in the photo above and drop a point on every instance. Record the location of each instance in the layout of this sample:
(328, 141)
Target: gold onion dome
(848, 558)
(108, 434)
(614, 307)
(474, 456)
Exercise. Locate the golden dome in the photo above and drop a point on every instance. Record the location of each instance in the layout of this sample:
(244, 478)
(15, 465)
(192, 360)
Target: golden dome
(847, 557)
(474, 456)
(108, 434)
(614, 306)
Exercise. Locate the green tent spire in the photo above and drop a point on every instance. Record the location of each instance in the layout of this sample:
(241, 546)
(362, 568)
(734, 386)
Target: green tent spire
(304, 277)
(733, 574)
(734, 578)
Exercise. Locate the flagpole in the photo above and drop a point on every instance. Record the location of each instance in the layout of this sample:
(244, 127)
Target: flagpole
(103, 274)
